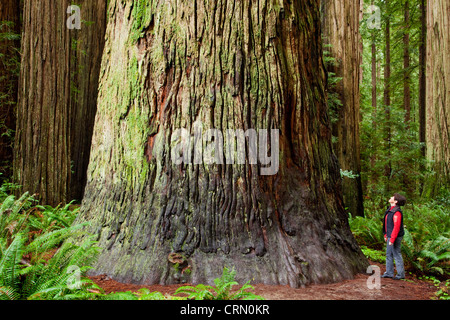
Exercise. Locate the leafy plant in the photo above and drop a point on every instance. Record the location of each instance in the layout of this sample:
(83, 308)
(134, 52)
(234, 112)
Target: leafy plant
(141, 294)
(10, 269)
(442, 292)
(14, 216)
(222, 289)
(367, 230)
(426, 256)
(373, 255)
(55, 218)
(40, 263)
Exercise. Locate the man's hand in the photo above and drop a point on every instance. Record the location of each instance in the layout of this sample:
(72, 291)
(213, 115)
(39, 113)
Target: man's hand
(390, 243)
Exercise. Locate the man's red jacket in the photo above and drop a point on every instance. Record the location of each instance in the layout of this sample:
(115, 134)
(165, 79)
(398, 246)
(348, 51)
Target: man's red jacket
(397, 218)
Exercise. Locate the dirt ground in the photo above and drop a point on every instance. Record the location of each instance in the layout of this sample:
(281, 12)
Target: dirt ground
(356, 289)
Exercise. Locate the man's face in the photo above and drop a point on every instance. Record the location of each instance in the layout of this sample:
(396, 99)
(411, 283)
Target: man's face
(392, 200)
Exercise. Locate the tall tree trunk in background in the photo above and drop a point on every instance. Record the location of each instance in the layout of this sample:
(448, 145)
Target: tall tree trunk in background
(340, 23)
(361, 46)
(57, 103)
(198, 65)
(373, 157)
(438, 93)
(406, 66)
(387, 93)
(42, 161)
(407, 182)
(374, 79)
(87, 53)
(9, 65)
(422, 83)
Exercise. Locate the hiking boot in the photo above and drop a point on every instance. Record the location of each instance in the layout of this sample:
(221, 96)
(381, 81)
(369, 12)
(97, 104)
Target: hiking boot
(397, 277)
(386, 276)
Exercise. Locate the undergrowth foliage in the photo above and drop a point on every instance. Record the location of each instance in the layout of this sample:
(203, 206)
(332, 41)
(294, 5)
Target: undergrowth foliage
(36, 261)
(223, 289)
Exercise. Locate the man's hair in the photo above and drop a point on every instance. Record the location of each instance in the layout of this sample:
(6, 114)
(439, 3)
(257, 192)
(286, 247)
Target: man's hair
(401, 200)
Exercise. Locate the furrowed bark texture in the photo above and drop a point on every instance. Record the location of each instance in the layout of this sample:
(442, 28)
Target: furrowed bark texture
(341, 30)
(87, 51)
(230, 65)
(438, 92)
(57, 98)
(9, 61)
(423, 85)
(406, 65)
(387, 95)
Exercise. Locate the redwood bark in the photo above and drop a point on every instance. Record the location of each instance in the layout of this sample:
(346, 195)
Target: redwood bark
(229, 65)
(387, 94)
(373, 157)
(438, 93)
(406, 65)
(422, 83)
(57, 98)
(87, 51)
(9, 62)
(341, 31)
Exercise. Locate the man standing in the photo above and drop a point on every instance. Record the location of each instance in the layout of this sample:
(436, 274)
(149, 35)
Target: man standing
(393, 234)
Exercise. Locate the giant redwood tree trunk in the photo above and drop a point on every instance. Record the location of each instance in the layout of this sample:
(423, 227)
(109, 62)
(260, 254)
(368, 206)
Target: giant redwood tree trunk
(57, 98)
(341, 30)
(172, 65)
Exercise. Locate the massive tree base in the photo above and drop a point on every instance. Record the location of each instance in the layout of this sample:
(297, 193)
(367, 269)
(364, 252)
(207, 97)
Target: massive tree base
(240, 65)
(297, 244)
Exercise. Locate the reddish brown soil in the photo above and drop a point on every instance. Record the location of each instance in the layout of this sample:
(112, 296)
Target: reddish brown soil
(356, 289)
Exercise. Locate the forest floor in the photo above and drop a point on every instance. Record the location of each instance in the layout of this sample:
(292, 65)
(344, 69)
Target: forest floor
(355, 289)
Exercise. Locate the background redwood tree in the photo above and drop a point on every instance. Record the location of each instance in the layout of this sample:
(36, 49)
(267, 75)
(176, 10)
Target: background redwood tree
(9, 73)
(340, 20)
(438, 95)
(229, 65)
(57, 98)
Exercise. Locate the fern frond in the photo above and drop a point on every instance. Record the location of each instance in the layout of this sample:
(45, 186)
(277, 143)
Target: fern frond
(10, 263)
(128, 295)
(50, 240)
(8, 293)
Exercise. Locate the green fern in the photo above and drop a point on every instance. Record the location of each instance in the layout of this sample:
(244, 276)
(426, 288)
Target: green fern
(53, 280)
(13, 215)
(367, 230)
(145, 294)
(55, 218)
(10, 269)
(199, 292)
(221, 291)
(374, 255)
(36, 263)
(427, 256)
